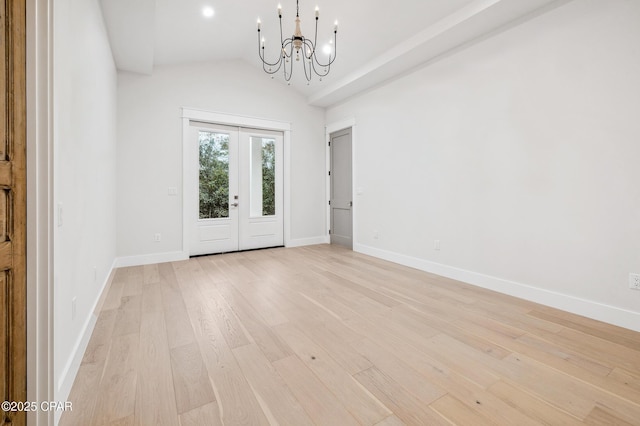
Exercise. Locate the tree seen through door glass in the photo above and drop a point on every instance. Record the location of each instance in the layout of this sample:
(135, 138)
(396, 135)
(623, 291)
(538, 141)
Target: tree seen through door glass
(214, 175)
(263, 176)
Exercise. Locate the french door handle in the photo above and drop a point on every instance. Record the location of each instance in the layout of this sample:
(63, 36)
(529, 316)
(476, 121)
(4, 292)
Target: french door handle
(234, 204)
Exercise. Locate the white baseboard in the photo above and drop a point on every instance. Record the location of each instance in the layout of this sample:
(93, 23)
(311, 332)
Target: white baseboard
(70, 370)
(587, 308)
(307, 241)
(148, 259)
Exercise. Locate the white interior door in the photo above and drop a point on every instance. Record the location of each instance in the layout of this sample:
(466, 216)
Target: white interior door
(236, 194)
(341, 201)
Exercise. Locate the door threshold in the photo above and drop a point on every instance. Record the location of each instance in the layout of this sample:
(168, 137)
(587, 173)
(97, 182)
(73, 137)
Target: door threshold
(235, 251)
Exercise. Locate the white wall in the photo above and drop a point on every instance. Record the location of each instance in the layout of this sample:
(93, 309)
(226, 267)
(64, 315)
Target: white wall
(520, 154)
(150, 147)
(84, 126)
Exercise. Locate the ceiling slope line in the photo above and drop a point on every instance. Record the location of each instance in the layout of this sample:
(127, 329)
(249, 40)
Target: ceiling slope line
(131, 26)
(470, 22)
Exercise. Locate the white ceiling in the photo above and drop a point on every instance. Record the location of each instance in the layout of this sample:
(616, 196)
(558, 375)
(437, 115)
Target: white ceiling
(376, 40)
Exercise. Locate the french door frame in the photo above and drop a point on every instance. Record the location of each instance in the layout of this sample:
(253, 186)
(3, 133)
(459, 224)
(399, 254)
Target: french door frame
(191, 114)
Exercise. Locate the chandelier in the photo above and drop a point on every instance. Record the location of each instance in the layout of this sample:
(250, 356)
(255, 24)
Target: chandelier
(303, 48)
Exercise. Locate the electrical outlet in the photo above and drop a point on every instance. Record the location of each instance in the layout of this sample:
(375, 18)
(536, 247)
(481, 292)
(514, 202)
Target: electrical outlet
(157, 237)
(634, 281)
(436, 245)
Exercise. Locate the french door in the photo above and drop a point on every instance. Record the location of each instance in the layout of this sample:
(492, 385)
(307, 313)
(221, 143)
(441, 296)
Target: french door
(236, 194)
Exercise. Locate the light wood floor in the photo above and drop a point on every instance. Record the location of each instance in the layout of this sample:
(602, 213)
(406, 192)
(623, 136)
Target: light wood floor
(322, 335)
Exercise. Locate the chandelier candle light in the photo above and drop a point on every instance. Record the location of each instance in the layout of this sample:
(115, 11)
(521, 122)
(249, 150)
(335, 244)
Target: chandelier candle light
(300, 46)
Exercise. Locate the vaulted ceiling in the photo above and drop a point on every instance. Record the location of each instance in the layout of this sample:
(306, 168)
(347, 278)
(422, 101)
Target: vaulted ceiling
(376, 40)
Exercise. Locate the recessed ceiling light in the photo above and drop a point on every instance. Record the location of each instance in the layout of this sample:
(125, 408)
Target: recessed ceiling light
(207, 11)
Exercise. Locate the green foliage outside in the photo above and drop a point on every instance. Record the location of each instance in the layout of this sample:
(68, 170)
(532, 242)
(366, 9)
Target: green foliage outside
(214, 175)
(268, 178)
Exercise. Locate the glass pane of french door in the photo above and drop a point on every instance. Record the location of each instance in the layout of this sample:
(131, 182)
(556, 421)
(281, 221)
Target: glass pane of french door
(263, 176)
(213, 179)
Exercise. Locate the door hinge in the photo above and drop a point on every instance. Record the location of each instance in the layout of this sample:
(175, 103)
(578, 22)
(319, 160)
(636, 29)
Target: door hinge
(329, 231)
(329, 143)
(329, 202)
(329, 172)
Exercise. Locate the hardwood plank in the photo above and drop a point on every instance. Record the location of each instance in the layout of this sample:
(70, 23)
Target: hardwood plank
(533, 407)
(626, 379)
(179, 330)
(603, 416)
(321, 405)
(563, 391)
(114, 293)
(365, 407)
(403, 404)
(117, 391)
(151, 298)
(150, 274)
(232, 329)
(132, 278)
(257, 294)
(458, 413)
(190, 378)
(206, 415)
(84, 395)
(333, 338)
(589, 326)
(236, 400)
(155, 396)
(128, 316)
(269, 342)
(392, 420)
(562, 359)
(275, 398)
(400, 372)
(599, 349)
(98, 346)
(125, 421)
